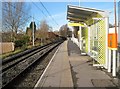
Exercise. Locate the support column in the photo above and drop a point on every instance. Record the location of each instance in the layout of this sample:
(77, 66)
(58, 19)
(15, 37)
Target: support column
(107, 29)
(114, 63)
(80, 38)
(88, 40)
(109, 61)
(118, 61)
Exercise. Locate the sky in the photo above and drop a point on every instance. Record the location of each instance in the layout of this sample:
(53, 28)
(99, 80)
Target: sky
(58, 11)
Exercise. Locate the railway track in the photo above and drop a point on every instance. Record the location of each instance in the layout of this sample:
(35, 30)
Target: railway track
(17, 66)
(12, 61)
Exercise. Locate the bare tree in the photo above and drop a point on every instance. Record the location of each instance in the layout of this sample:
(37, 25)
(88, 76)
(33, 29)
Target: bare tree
(64, 30)
(14, 17)
(44, 28)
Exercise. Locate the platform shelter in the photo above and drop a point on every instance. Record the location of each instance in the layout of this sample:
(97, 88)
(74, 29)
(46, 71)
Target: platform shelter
(93, 32)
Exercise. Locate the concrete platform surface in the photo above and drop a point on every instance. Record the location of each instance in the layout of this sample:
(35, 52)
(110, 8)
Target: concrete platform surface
(71, 70)
(83, 73)
(58, 73)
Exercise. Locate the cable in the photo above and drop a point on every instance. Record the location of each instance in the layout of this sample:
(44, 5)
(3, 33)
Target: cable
(48, 13)
(39, 8)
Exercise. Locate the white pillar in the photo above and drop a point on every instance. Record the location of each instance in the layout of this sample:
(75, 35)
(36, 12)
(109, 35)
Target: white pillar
(88, 39)
(118, 61)
(109, 61)
(114, 63)
(107, 29)
(80, 37)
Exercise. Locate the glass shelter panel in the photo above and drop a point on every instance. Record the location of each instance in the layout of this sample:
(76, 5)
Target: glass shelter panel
(102, 42)
(98, 41)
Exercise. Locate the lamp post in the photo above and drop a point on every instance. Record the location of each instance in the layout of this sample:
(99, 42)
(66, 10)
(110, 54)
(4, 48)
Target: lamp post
(33, 31)
(115, 17)
(114, 51)
(79, 3)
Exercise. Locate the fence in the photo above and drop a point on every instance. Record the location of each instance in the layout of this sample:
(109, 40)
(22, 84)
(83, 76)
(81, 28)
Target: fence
(6, 47)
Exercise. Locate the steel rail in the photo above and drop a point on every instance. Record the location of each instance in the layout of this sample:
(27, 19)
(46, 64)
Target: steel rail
(29, 65)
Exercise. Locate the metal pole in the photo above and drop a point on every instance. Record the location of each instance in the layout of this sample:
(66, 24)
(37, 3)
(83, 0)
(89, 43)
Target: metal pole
(114, 51)
(33, 31)
(79, 3)
(115, 17)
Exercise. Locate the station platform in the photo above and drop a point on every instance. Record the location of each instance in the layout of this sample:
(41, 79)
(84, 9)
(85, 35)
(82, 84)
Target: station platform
(69, 69)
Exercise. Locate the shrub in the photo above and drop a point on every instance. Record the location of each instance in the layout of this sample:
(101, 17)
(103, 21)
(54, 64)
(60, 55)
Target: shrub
(22, 42)
(26, 38)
